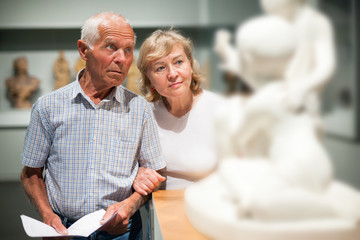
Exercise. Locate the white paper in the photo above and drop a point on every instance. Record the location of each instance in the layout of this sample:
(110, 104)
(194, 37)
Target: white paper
(83, 227)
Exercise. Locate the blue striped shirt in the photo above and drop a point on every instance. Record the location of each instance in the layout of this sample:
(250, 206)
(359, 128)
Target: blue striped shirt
(91, 153)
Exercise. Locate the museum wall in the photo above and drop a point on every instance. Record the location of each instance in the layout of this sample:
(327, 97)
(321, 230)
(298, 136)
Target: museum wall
(39, 29)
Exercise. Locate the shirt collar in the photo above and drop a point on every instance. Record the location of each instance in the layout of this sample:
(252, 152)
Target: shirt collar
(118, 94)
(77, 89)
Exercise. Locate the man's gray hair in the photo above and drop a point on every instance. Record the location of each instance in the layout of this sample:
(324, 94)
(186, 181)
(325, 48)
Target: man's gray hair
(90, 30)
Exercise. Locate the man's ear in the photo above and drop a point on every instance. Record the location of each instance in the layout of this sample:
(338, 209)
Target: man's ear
(82, 48)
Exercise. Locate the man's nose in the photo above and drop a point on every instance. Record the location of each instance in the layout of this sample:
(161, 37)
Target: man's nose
(119, 56)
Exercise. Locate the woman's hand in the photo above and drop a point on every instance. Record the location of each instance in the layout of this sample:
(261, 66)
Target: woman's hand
(147, 180)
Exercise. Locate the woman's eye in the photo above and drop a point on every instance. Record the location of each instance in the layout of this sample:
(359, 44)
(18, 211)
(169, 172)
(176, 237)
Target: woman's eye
(179, 61)
(158, 69)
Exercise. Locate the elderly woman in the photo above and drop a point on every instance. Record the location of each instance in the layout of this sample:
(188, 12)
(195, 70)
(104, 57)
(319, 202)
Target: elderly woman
(183, 110)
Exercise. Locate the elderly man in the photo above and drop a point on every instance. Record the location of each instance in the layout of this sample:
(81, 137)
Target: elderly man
(90, 137)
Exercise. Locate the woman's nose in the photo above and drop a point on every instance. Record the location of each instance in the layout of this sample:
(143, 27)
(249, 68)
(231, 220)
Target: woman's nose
(172, 74)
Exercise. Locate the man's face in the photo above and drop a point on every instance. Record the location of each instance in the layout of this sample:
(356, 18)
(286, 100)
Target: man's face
(111, 56)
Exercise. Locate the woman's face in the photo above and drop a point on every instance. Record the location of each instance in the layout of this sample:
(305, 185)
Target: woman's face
(171, 75)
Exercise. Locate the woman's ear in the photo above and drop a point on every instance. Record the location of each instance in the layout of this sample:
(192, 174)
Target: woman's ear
(82, 48)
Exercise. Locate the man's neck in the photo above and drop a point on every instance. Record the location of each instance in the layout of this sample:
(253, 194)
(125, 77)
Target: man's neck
(96, 94)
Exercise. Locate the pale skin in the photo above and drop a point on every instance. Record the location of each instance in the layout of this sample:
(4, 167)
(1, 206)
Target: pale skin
(107, 64)
(171, 77)
(147, 180)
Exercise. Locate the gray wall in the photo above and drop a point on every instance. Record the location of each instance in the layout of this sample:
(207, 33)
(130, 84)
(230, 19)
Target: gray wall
(345, 155)
(11, 142)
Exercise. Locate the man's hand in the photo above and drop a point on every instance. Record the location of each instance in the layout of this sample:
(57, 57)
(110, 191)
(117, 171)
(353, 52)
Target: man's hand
(119, 223)
(147, 180)
(54, 221)
(34, 186)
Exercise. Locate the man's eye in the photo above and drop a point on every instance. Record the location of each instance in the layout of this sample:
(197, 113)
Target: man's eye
(128, 50)
(111, 47)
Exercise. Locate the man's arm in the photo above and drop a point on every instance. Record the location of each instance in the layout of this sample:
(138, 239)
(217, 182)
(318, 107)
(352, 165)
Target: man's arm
(147, 179)
(128, 207)
(34, 186)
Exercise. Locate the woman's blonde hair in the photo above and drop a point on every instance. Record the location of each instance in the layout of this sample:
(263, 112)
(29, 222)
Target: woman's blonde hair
(159, 44)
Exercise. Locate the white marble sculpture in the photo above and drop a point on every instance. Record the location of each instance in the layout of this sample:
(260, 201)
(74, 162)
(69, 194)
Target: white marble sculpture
(274, 180)
(313, 62)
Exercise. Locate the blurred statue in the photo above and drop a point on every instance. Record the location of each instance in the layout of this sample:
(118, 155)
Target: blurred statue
(275, 179)
(61, 71)
(313, 63)
(133, 77)
(21, 87)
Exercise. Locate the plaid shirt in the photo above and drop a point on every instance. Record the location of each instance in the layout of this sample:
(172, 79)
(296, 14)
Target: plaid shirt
(91, 153)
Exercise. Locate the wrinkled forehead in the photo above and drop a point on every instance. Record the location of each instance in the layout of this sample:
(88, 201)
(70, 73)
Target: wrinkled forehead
(116, 28)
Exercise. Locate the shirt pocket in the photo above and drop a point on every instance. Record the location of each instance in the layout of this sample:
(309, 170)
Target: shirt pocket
(122, 157)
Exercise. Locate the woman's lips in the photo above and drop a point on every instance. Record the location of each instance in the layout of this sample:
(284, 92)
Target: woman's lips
(175, 84)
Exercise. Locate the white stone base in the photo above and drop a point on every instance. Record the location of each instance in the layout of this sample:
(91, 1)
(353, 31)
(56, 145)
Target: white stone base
(209, 208)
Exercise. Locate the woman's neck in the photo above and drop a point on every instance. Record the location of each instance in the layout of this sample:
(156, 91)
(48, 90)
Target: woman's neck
(179, 106)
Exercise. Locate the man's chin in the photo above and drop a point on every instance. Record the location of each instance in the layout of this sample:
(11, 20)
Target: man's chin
(115, 81)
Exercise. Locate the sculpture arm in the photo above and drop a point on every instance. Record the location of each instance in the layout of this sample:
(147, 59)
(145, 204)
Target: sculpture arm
(227, 52)
(323, 57)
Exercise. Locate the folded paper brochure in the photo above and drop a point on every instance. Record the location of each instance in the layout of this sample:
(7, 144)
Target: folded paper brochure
(82, 227)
